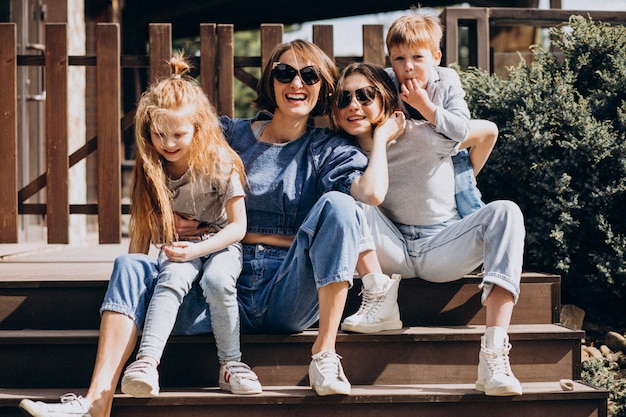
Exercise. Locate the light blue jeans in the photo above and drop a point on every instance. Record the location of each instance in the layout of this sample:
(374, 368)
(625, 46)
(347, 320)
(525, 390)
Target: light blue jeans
(277, 289)
(493, 236)
(218, 274)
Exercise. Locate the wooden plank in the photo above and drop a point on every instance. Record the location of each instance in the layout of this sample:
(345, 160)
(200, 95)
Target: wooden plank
(208, 58)
(57, 179)
(512, 16)
(226, 70)
(418, 355)
(271, 35)
(160, 42)
(8, 127)
(374, 44)
(108, 92)
(323, 37)
(476, 18)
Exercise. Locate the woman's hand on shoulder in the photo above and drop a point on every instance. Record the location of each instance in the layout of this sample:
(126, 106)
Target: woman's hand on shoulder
(391, 128)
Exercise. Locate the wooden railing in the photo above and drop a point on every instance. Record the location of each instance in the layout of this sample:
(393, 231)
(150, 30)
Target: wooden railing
(218, 68)
(479, 20)
(216, 57)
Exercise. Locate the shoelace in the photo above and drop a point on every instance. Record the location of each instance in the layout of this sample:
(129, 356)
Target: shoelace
(370, 303)
(328, 363)
(240, 370)
(75, 401)
(68, 398)
(498, 361)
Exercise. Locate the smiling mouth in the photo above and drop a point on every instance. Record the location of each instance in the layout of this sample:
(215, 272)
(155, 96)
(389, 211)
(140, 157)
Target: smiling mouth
(296, 97)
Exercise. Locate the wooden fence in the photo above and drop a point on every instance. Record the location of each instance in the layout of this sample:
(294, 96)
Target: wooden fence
(218, 67)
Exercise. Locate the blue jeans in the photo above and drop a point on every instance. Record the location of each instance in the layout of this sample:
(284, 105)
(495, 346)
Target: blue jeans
(218, 277)
(277, 289)
(467, 195)
(493, 236)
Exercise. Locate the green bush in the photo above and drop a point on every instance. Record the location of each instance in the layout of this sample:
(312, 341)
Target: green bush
(597, 373)
(560, 155)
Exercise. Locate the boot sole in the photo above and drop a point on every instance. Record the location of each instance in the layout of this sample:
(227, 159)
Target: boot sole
(373, 328)
(225, 386)
(139, 389)
(326, 391)
(505, 391)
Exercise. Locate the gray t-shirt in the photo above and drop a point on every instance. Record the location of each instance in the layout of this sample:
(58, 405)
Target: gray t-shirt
(421, 172)
(204, 199)
(421, 177)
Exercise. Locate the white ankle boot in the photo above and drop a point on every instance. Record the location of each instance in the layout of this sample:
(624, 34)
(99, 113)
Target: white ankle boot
(379, 308)
(494, 369)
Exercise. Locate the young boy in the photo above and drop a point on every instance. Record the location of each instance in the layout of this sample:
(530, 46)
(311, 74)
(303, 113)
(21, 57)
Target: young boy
(424, 220)
(415, 66)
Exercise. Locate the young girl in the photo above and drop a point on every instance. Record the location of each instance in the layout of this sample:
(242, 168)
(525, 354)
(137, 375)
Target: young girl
(184, 167)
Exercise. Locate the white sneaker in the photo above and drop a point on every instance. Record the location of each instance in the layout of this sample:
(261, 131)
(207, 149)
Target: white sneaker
(141, 380)
(379, 307)
(494, 371)
(326, 375)
(238, 378)
(70, 406)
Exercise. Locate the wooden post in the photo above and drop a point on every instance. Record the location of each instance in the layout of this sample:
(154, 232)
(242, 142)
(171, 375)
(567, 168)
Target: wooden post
(323, 37)
(57, 181)
(208, 58)
(271, 35)
(108, 87)
(374, 44)
(8, 140)
(225, 70)
(477, 19)
(160, 50)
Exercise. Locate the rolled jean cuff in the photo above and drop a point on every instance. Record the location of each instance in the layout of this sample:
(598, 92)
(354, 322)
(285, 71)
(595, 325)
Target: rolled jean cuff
(125, 310)
(345, 276)
(490, 280)
(366, 244)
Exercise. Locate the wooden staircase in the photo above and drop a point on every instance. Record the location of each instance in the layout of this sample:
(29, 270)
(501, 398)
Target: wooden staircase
(49, 304)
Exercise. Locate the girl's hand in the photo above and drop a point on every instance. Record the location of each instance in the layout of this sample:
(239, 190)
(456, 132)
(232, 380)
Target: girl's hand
(180, 251)
(189, 229)
(391, 128)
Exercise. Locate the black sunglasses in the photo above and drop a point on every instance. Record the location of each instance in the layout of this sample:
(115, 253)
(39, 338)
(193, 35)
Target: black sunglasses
(285, 73)
(365, 96)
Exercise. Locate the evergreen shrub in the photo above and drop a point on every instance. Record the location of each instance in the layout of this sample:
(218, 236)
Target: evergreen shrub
(561, 156)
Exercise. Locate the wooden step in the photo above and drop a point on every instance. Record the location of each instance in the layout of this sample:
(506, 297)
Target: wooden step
(540, 399)
(68, 296)
(413, 355)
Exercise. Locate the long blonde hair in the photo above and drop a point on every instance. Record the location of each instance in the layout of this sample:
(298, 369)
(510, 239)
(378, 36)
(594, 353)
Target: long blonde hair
(152, 214)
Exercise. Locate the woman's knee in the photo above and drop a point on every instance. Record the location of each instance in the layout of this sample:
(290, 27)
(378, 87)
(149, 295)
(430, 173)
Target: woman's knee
(506, 210)
(339, 203)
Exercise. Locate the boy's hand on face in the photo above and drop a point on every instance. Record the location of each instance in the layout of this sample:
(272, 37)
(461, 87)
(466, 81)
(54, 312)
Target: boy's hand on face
(415, 95)
(413, 92)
